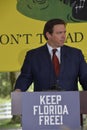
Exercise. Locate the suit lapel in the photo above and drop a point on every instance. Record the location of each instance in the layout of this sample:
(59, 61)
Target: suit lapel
(46, 55)
(48, 65)
(64, 59)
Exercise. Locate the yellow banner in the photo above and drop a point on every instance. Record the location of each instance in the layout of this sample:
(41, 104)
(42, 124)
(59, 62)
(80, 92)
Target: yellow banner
(19, 33)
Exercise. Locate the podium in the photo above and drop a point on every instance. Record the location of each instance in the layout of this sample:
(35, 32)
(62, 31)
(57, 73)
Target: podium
(49, 110)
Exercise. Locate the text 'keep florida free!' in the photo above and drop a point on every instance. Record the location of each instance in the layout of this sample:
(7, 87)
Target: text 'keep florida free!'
(50, 111)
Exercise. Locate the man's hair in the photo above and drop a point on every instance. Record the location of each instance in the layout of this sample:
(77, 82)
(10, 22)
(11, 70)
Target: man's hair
(50, 24)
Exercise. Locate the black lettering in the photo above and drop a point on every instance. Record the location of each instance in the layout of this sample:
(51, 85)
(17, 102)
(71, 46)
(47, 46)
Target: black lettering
(4, 39)
(69, 37)
(40, 38)
(27, 38)
(16, 39)
(78, 37)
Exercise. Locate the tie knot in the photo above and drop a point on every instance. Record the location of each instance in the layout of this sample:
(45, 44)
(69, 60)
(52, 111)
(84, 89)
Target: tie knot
(54, 51)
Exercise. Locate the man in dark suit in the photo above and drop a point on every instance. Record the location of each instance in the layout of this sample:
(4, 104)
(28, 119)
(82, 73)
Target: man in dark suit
(38, 66)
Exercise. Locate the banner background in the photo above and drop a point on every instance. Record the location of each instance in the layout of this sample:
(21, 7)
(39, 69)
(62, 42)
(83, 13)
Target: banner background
(14, 29)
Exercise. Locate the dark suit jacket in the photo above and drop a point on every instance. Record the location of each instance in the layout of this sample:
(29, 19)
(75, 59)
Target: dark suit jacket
(38, 68)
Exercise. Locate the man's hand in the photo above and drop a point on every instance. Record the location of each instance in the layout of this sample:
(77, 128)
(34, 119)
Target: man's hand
(17, 90)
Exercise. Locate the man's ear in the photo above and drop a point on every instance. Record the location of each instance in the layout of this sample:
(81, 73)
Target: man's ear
(48, 35)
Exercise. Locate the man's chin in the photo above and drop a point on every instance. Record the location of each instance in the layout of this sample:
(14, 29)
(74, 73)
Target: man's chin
(61, 44)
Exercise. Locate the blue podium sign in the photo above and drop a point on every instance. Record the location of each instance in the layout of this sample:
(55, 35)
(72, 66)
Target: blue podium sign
(50, 111)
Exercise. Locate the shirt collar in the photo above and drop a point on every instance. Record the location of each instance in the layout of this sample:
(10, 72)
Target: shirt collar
(50, 48)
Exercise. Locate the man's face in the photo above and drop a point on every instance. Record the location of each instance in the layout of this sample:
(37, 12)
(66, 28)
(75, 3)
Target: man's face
(57, 38)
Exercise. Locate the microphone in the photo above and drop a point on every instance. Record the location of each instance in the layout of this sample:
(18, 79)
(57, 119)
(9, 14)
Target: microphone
(55, 87)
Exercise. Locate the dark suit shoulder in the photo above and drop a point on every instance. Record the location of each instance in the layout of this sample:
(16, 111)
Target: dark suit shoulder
(72, 52)
(37, 50)
(71, 49)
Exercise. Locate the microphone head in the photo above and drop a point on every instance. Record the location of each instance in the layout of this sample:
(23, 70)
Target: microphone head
(56, 87)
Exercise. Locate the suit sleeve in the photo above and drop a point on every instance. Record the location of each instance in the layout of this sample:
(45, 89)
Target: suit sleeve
(83, 71)
(25, 78)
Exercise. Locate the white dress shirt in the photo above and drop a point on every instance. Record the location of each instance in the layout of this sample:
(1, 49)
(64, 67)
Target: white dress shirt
(57, 52)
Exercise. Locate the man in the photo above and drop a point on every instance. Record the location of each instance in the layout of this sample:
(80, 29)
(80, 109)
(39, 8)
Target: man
(38, 65)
